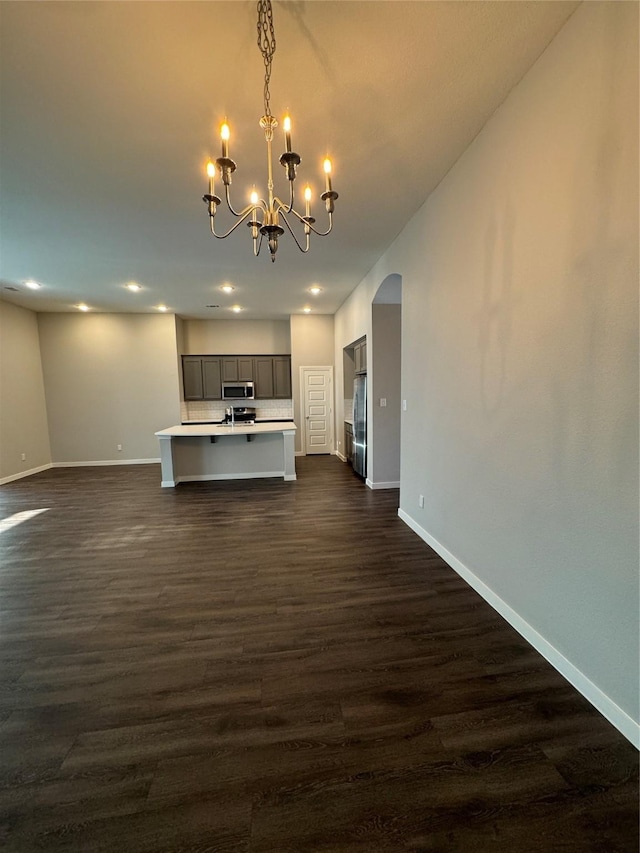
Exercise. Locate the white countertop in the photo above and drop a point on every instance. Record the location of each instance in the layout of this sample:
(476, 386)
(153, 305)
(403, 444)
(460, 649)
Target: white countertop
(185, 430)
(348, 421)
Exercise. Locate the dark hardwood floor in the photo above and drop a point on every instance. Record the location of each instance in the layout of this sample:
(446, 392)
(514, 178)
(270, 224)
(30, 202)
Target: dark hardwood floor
(258, 666)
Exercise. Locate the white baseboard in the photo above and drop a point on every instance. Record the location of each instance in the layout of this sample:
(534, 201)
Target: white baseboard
(299, 453)
(625, 724)
(382, 485)
(106, 462)
(28, 473)
(203, 478)
(340, 456)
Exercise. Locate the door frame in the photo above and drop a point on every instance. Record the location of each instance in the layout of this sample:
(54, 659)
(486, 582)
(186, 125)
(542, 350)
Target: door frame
(303, 408)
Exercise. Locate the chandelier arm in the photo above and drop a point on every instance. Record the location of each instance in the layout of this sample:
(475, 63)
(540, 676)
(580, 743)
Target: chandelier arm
(257, 245)
(233, 227)
(289, 207)
(297, 242)
(280, 206)
(315, 230)
(324, 233)
(227, 196)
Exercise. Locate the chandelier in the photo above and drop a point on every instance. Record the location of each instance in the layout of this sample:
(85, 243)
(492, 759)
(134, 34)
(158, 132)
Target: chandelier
(264, 215)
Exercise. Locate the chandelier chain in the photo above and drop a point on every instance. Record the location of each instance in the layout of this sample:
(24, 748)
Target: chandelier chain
(267, 45)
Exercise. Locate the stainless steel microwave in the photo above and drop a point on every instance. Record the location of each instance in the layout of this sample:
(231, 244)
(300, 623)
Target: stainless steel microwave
(238, 391)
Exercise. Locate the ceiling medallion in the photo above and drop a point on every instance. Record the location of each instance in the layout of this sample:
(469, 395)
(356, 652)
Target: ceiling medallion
(264, 215)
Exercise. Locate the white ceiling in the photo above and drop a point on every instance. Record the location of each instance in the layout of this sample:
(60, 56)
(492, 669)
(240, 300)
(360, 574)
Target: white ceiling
(108, 111)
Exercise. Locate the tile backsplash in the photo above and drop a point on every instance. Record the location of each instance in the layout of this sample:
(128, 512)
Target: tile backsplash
(202, 410)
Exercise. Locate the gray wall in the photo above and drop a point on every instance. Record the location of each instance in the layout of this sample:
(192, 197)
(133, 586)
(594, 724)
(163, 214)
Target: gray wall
(520, 357)
(312, 344)
(23, 414)
(236, 337)
(384, 351)
(110, 379)
(180, 349)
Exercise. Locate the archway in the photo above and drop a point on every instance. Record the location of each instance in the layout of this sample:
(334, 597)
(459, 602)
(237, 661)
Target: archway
(385, 356)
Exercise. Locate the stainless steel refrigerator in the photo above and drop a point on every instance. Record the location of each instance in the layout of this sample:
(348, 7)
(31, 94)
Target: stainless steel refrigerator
(360, 425)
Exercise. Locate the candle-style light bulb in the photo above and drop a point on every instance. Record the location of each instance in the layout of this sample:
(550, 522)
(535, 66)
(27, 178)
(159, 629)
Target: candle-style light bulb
(287, 133)
(307, 198)
(225, 134)
(327, 174)
(211, 172)
(255, 198)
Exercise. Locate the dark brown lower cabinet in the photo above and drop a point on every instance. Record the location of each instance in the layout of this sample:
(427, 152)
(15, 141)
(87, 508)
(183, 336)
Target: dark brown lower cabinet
(348, 442)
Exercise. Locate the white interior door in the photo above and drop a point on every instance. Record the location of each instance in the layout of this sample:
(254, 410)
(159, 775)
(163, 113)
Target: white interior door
(317, 403)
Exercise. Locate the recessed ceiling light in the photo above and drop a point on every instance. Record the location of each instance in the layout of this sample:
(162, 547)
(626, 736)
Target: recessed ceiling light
(162, 308)
(236, 309)
(307, 310)
(32, 285)
(82, 307)
(316, 289)
(133, 287)
(228, 288)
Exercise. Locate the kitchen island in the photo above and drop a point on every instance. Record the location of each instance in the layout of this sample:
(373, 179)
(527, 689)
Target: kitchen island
(194, 452)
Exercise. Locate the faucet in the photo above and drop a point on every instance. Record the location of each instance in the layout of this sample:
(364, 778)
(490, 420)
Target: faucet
(229, 413)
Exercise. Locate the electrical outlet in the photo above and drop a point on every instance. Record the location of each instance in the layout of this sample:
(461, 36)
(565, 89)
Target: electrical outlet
(404, 405)
(383, 402)
(119, 447)
(23, 456)
(421, 501)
